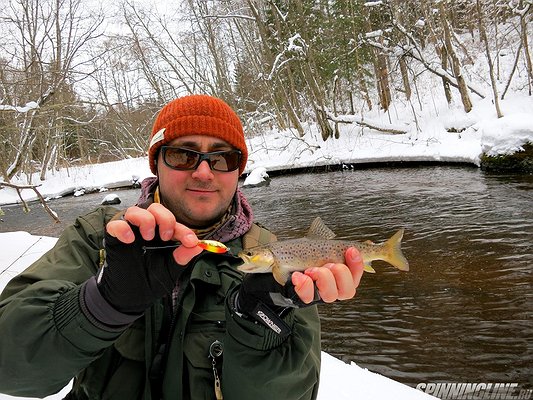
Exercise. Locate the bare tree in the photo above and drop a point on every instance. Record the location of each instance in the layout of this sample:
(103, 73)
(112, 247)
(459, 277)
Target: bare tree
(455, 62)
(47, 38)
(523, 9)
(274, 62)
(484, 39)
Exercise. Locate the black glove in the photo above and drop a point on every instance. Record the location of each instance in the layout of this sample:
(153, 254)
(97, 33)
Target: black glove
(133, 277)
(264, 299)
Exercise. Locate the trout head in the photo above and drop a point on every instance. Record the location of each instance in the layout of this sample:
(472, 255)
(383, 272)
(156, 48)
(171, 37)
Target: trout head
(256, 260)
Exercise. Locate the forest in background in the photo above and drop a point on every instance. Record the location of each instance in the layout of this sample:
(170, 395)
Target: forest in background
(80, 82)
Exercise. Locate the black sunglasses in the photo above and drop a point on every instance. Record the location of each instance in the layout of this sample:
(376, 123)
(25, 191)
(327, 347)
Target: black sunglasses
(182, 159)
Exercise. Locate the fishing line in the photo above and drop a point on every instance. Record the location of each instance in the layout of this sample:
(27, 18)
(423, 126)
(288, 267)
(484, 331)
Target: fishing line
(22, 255)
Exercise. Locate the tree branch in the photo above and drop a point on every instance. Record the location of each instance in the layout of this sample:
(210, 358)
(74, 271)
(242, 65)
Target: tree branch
(352, 119)
(414, 52)
(19, 189)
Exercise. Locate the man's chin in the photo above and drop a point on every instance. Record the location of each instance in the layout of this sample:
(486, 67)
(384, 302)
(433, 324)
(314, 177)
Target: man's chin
(201, 220)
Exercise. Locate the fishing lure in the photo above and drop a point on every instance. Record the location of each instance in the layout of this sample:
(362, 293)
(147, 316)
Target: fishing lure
(213, 246)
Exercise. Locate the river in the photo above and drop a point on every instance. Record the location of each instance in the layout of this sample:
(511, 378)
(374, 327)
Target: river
(463, 313)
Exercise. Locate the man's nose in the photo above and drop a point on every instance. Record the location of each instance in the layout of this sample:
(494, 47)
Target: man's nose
(203, 170)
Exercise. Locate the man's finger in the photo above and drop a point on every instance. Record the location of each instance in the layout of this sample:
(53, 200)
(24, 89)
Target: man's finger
(303, 286)
(121, 230)
(325, 283)
(185, 235)
(164, 220)
(143, 219)
(343, 279)
(354, 261)
(183, 255)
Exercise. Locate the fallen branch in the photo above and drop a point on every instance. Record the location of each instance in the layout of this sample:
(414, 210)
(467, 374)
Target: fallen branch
(352, 119)
(19, 189)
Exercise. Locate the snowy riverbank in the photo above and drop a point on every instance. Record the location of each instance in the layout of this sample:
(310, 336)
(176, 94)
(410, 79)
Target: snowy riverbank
(480, 131)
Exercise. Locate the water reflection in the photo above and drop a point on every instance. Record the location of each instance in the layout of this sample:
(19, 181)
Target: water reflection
(463, 312)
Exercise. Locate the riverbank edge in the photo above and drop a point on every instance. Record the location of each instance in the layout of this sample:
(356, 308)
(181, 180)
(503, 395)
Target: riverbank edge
(272, 172)
(519, 162)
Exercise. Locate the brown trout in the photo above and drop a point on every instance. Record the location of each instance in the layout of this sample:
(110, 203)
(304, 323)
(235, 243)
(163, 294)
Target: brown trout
(316, 249)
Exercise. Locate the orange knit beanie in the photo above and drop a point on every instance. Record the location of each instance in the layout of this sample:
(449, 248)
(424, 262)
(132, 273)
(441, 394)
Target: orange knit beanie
(196, 115)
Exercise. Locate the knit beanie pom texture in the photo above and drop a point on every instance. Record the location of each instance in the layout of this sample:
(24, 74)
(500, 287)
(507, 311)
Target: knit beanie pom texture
(196, 115)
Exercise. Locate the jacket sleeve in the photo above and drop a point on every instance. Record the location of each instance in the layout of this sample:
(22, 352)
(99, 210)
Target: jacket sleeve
(45, 338)
(285, 368)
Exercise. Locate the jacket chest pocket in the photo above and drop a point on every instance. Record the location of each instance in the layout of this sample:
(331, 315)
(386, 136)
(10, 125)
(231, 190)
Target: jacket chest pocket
(203, 354)
(203, 343)
(207, 320)
(206, 325)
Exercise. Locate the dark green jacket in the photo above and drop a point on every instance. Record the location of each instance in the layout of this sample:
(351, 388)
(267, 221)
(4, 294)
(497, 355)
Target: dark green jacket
(46, 340)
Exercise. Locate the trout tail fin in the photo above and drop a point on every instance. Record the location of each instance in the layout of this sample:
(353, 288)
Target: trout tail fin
(392, 252)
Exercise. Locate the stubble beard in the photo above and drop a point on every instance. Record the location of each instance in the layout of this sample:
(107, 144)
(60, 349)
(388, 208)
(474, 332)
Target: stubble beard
(195, 216)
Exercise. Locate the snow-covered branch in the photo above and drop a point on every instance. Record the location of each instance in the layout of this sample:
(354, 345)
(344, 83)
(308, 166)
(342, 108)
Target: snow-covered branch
(19, 189)
(373, 3)
(32, 105)
(352, 119)
(514, 6)
(414, 51)
(295, 45)
(231, 16)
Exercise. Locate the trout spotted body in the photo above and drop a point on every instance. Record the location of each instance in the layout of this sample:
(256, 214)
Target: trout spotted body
(316, 249)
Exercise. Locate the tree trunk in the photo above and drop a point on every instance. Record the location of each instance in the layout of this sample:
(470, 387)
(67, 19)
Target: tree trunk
(405, 78)
(381, 70)
(483, 34)
(456, 64)
(525, 45)
(441, 50)
(382, 76)
(513, 70)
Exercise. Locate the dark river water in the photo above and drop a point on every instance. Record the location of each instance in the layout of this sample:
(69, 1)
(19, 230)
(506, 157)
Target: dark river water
(463, 313)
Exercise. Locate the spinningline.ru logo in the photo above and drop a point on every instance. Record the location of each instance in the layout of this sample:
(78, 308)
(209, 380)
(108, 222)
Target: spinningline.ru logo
(475, 391)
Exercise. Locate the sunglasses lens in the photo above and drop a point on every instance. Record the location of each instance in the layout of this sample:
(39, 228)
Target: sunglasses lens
(225, 162)
(180, 159)
(184, 159)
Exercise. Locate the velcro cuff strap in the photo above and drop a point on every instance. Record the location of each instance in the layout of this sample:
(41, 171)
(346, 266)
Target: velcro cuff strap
(99, 309)
(264, 314)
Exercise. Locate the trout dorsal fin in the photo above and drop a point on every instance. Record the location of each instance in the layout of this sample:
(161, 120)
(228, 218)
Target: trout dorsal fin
(319, 230)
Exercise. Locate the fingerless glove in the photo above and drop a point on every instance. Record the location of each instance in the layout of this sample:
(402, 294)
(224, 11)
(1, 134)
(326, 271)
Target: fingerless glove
(266, 301)
(132, 278)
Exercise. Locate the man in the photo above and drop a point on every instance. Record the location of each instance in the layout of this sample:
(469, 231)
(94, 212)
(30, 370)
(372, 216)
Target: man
(130, 306)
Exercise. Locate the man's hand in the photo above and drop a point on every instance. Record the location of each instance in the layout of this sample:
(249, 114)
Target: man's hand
(156, 216)
(333, 281)
(262, 298)
(140, 267)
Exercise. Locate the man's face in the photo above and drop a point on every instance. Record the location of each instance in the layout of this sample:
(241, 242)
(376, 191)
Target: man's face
(199, 197)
